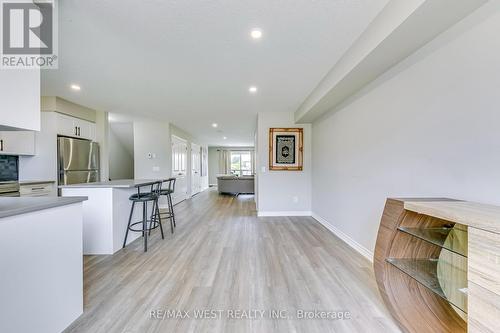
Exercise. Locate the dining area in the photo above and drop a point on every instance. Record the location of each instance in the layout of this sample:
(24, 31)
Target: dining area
(118, 212)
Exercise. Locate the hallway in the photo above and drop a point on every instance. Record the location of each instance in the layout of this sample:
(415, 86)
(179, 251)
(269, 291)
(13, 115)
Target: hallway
(223, 258)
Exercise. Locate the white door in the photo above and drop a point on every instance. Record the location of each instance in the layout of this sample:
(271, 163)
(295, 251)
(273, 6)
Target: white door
(179, 169)
(195, 169)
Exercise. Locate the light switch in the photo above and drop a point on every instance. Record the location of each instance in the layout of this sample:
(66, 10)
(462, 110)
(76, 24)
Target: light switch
(263, 169)
(156, 168)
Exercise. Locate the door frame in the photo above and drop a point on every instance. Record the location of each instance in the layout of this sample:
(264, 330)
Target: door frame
(176, 174)
(198, 152)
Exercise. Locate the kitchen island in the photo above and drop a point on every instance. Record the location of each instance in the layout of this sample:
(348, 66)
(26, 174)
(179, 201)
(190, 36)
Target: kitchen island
(106, 212)
(41, 280)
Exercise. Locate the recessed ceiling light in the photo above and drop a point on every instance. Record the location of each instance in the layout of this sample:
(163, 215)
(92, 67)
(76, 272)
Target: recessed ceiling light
(252, 89)
(224, 137)
(214, 125)
(256, 33)
(75, 87)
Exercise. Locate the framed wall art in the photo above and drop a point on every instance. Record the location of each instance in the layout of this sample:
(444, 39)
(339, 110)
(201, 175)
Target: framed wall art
(286, 149)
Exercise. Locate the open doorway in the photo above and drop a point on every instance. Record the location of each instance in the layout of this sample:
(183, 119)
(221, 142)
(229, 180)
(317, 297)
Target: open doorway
(121, 149)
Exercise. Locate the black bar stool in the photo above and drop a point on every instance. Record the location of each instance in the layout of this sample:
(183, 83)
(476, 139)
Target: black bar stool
(154, 221)
(167, 190)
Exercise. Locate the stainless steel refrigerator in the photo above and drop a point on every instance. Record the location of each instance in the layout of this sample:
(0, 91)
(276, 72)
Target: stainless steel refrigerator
(78, 161)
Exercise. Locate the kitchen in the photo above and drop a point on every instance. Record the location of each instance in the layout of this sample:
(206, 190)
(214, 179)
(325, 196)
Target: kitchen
(50, 142)
(41, 232)
(47, 143)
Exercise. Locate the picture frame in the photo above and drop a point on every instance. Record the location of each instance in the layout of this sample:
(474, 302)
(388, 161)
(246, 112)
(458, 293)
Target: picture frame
(286, 147)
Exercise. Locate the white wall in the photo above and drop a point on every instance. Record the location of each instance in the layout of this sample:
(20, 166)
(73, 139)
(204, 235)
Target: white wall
(20, 99)
(42, 166)
(278, 189)
(430, 127)
(121, 162)
(102, 137)
(152, 136)
(213, 165)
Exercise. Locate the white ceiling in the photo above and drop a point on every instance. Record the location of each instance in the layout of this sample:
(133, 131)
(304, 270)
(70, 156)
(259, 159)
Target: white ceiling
(191, 62)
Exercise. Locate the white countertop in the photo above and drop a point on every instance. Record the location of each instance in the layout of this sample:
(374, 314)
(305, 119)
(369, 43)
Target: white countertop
(122, 183)
(17, 206)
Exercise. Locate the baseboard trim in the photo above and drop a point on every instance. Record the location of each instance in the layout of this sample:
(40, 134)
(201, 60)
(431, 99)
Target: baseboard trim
(284, 213)
(345, 238)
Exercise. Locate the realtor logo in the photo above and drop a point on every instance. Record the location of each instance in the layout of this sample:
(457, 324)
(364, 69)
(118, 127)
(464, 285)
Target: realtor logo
(29, 38)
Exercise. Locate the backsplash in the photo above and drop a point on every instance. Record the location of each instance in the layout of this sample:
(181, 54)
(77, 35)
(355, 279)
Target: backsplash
(9, 170)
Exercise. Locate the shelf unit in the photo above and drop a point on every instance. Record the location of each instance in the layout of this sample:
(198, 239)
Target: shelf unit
(452, 238)
(425, 272)
(420, 265)
(445, 274)
(437, 264)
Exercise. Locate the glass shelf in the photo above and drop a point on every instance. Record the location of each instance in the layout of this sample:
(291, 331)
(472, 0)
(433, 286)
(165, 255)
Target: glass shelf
(425, 271)
(452, 239)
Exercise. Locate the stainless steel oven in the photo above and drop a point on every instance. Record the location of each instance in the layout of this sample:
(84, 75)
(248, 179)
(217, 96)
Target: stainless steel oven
(9, 176)
(9, 189)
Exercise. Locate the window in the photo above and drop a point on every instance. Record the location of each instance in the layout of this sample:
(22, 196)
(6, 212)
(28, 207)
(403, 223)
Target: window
(241, 163)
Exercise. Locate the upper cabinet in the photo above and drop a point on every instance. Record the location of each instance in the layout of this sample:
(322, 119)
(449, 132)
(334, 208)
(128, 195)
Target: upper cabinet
(75, 127)
(20, 99)
(17, 143)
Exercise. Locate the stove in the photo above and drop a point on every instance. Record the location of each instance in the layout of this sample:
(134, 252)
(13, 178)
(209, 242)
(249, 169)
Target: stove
(9, 176)
(9, 189)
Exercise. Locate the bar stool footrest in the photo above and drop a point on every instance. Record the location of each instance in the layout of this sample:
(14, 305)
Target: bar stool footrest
(155, 221)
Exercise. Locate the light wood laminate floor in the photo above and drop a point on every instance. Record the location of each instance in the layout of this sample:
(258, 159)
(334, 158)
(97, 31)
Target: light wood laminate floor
(222, 257)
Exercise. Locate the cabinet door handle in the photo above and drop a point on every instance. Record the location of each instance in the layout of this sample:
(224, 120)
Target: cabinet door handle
(1, 145)
(76, 130)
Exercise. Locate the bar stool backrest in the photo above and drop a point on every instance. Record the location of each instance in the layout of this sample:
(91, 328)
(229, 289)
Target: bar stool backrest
(154, 188)
(171, 184)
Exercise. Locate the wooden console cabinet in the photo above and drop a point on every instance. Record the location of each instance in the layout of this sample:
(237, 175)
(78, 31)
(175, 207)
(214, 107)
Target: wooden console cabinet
(437, 264)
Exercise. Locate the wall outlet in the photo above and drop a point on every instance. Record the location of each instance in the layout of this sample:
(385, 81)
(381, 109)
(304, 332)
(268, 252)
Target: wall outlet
(156, 169)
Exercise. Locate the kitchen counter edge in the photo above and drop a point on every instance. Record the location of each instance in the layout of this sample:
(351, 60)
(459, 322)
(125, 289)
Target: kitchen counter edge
(18, 206)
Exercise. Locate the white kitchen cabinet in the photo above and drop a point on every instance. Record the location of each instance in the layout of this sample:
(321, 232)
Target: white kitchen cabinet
(86, 129)
(17, 142)
(20, 99)
(41, 266)
(37, 189)
(75, 127)
(65, 125)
